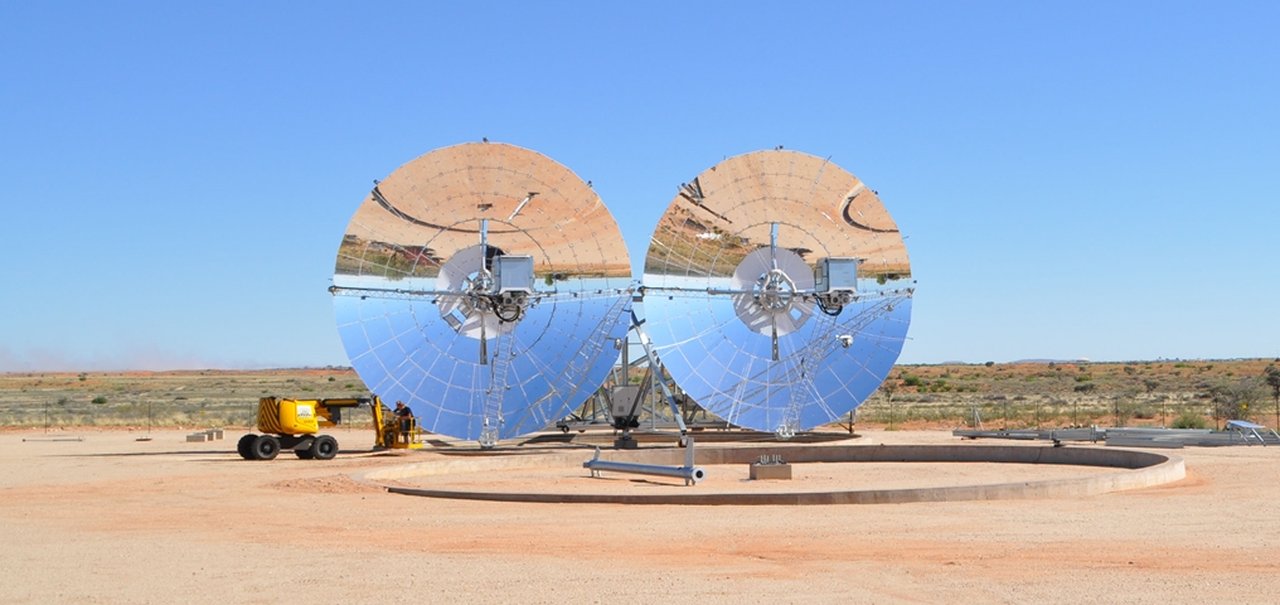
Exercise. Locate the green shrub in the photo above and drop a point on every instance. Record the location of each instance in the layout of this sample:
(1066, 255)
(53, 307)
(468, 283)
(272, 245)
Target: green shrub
(99, 400)
(1144, 412)
(1190, 420)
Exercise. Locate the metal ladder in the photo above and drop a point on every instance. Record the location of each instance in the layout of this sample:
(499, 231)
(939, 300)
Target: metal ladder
(798, 377)
(578, 364)
(491, 430)
(820, 348)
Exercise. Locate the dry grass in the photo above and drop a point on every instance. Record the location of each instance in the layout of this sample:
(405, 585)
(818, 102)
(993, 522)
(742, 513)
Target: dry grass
(1022, 395)
(1046, 395)
(168, 399)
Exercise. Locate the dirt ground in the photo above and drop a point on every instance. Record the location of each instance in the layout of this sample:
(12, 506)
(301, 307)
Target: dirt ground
(109, 519)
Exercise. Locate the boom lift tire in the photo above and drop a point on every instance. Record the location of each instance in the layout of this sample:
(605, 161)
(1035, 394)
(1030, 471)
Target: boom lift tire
(266, 447)
(325, 447)
(244, 447)
(305, 453)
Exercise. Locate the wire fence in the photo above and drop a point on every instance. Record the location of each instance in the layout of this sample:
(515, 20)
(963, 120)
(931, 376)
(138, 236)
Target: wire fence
(1012, 414)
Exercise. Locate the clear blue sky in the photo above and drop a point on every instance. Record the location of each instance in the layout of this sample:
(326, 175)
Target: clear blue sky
(1076, 179)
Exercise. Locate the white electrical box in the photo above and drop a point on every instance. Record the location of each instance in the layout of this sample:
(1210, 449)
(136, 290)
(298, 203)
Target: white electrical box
(513, 273)
(622, 399)
(836, 274)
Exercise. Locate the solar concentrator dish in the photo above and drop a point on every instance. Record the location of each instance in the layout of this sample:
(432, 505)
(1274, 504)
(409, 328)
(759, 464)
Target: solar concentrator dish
(484, 285)
(777, 291)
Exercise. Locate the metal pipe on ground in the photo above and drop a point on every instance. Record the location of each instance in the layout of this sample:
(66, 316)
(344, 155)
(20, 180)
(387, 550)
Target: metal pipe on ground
(690, 473)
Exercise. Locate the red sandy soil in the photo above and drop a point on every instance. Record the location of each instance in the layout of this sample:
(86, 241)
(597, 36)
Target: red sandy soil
(114, 520)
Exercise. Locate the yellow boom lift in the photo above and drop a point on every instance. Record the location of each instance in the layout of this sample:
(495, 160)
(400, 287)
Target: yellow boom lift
(295, 424)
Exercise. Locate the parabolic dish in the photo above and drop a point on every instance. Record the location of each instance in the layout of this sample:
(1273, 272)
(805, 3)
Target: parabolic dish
(777, 291)
(484, 285)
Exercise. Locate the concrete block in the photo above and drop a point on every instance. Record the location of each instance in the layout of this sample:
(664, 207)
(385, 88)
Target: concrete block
(197, 437)
(770, 471)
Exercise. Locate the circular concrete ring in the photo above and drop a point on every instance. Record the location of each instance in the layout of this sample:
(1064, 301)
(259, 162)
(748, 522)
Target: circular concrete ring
(1135, 469)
